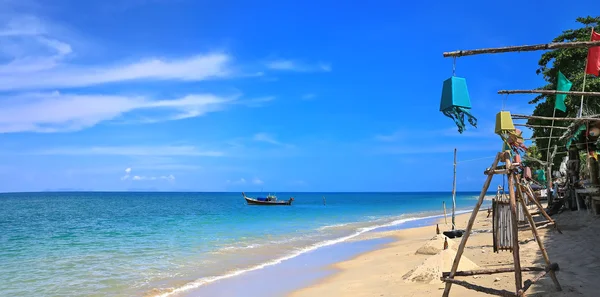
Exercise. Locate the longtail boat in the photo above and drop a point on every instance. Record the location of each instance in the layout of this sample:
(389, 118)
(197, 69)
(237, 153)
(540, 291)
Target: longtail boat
(269, 200)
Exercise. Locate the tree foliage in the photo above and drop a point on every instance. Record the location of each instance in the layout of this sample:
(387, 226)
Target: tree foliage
(571, 62)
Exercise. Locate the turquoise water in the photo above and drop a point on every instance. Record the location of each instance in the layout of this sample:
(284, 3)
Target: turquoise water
(149, 244)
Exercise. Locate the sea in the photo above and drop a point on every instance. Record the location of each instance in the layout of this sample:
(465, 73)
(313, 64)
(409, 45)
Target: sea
(167, 244)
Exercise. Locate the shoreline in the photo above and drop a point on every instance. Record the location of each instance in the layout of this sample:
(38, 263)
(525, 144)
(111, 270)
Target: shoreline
(391, 269)
(411, 239)
(364, 239)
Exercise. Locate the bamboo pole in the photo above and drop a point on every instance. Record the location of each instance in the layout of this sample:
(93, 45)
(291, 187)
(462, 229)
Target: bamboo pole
(454, 193)
(491, 271)
(526, 117)
(540, 126)
(465, 237)
(503, 293)
(523, 48)
(537, 238)
(515, 229)
(549, 92)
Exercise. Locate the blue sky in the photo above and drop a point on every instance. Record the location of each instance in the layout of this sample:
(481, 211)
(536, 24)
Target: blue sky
(250, 95)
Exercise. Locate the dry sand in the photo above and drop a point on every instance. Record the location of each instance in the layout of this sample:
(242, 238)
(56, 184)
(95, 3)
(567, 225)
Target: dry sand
(399, 270)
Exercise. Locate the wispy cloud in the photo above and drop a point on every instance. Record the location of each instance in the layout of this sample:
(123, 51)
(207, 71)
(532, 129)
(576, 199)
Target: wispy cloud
(38, 60)
(292, 65)
(241, 181)
(268, 138)
(128, 176)
(55, 112)
(129, 151)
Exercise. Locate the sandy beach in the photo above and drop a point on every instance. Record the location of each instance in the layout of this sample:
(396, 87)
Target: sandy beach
(398, 269)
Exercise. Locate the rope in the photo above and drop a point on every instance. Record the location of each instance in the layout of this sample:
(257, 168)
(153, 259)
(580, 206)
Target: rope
(476, 159)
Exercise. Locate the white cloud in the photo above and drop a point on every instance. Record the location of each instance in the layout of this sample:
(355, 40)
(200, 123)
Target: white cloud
(257, 181)
(238, 182)
(291, 65)
(37, 60)
(55, 112)
(129, 151)
(127, 172)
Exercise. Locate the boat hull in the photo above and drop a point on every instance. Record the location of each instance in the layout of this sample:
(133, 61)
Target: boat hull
(251, 201)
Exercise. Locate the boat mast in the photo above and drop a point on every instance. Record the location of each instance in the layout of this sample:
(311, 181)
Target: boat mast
(454, 191)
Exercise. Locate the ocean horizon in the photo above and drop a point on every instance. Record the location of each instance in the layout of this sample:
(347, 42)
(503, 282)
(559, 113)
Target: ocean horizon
(104, 243)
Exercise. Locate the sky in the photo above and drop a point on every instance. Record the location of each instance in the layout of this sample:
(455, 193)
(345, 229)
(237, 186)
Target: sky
(190, 95)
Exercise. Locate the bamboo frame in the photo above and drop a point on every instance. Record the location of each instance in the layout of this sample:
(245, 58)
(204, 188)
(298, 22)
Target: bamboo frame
(522, 48)
(550, 92)
(516, 196)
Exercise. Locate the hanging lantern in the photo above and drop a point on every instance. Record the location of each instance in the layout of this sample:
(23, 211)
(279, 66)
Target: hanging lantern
(504, 123)
(507, 131)
(456, 103)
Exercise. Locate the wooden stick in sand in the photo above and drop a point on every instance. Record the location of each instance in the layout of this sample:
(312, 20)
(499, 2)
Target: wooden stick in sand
(465, 236)
(537, 238)
(445, 219)
(454, 193)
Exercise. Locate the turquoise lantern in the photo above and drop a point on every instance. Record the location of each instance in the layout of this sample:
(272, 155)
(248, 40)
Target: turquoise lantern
(456, 103)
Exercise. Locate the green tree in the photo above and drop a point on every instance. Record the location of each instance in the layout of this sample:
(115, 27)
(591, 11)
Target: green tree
(533, 152)
(571, 62)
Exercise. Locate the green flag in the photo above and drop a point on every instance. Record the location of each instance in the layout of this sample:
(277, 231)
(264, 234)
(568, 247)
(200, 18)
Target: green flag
(563, 85)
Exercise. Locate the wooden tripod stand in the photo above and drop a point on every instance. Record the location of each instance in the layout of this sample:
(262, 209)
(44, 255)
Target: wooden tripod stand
(515, 191)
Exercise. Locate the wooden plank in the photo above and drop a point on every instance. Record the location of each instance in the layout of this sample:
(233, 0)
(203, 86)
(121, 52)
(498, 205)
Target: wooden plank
(465, 237)
(523, 48)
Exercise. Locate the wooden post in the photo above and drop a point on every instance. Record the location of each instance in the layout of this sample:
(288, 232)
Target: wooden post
(454, 192)
(515, 230)
(491, 271)
(445, 216)
(465, 236)
(539, 241)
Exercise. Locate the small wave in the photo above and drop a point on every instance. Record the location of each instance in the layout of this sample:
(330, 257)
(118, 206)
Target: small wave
(206, 280)
(335, 226)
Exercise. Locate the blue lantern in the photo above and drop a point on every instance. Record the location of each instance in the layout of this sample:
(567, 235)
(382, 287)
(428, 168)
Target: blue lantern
(456, 102)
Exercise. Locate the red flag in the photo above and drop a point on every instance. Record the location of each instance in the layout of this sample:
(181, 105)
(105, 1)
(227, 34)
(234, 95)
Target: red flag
(593, 58)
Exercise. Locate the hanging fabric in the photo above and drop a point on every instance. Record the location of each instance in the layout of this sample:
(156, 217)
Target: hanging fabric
(456, 103)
